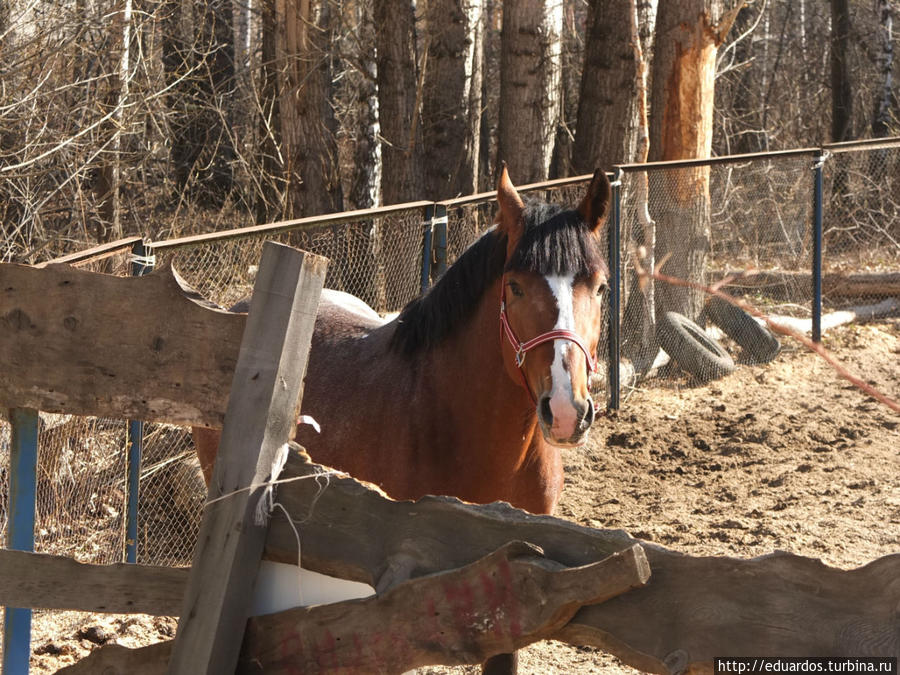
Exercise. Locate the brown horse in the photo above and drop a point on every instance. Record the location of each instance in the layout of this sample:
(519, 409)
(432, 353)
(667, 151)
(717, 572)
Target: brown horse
(474, 389)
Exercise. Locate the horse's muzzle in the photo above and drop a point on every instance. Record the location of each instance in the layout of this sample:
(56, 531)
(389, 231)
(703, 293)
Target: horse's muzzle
(572, 431)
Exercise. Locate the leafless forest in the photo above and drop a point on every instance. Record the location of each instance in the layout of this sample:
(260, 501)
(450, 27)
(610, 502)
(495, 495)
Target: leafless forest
(167, 117)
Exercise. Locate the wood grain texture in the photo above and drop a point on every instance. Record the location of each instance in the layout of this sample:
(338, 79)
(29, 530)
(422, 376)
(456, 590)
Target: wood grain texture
(39, 580)
(502, 602)
(146, 348)
(693, 608)
(262, 411)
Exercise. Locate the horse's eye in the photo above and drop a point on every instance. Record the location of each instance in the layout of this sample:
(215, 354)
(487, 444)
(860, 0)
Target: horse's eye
(516, 289)
(601, 289)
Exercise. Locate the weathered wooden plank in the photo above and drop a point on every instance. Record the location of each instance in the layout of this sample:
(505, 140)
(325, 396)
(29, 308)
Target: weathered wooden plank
(695, 608)
(172, 362)
(262, 410)
(39, 580)
(502, 602)
(785, 283)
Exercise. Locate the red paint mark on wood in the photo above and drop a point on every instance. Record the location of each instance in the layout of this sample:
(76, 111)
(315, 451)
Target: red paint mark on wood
(461, 599)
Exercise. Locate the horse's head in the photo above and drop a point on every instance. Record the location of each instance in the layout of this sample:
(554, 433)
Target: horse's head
(554, 282)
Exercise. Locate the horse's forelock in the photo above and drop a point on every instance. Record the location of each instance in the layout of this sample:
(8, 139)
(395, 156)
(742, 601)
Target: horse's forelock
(557, 241)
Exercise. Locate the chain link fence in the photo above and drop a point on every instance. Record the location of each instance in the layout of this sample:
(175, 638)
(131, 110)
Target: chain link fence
(709, 221)
(377, 257)
(862, 224)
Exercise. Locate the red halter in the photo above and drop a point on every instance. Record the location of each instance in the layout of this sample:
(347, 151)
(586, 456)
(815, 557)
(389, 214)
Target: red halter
(522, 348)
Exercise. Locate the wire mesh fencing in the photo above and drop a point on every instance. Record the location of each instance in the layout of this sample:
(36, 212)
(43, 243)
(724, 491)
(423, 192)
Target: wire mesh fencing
(377, 258)
(699, 222)
(861, 257)
(748, 221)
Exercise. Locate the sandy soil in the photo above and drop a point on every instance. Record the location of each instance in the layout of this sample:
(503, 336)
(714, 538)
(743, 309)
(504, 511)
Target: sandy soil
(783, 456)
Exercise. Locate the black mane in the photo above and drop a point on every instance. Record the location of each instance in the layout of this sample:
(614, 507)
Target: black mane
(555, 242)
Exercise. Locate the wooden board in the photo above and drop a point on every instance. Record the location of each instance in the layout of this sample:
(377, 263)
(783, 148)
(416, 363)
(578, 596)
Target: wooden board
(780, 283)
(143, 348)
(502, 602)
(693, 609)
(53, 582)
(262, 411)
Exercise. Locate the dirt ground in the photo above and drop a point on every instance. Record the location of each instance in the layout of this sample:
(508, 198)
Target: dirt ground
(783, 456)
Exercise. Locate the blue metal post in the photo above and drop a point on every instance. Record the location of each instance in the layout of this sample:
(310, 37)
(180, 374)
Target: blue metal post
(425, 280)
(817, 250)
(440, 240)
(20, 535)
(141, 264)
(135, 441)
(615, 268)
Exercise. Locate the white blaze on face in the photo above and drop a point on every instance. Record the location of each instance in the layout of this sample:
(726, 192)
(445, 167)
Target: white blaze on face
(565, 418)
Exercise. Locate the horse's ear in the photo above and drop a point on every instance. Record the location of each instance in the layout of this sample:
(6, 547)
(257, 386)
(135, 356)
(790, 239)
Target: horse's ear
(509, 219)
(594, 208)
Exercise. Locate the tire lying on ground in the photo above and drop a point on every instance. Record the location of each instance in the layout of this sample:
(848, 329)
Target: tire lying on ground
(757, 341)
(691, 348)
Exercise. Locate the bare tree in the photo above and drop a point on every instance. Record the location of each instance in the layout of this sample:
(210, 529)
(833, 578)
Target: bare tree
(606, 104)
(451, 97)
(303, 67)
(198, 55)
(885, 97)
(688, 34)
(529, 86)
(841, 91)
(398, 101)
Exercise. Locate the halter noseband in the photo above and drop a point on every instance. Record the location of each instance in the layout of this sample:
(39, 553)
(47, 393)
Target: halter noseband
(522, 348)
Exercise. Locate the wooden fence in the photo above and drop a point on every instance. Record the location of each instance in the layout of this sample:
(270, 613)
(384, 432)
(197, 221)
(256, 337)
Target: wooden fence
(524, 577)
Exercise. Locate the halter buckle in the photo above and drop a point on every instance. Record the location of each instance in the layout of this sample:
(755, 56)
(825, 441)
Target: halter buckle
(520, 356)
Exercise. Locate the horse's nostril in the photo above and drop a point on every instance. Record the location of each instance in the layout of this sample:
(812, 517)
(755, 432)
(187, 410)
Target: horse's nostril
(546, 412)
(588, 418)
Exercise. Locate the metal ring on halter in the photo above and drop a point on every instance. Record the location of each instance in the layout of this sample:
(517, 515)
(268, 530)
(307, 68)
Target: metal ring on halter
(520, 356)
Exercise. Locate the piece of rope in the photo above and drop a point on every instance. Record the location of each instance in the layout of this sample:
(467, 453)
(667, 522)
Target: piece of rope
(266, 503)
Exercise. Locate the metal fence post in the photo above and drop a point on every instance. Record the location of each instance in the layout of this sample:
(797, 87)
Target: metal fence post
(615, 267)
(818, 199)
(20, 534)
(141, 263)
(439, 227)
(428, 231)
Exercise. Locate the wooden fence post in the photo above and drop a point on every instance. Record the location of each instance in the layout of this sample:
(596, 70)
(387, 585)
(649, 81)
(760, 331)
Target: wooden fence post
(261, 414)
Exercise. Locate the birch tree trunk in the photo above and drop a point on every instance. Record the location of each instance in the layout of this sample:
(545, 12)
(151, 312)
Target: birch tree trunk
(110, 178)
(689, 33)
(366, 190)
(451, 103)
(529, 86)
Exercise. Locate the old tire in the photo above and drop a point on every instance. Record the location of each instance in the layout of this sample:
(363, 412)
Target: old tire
(758, 343)
(691, 348)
